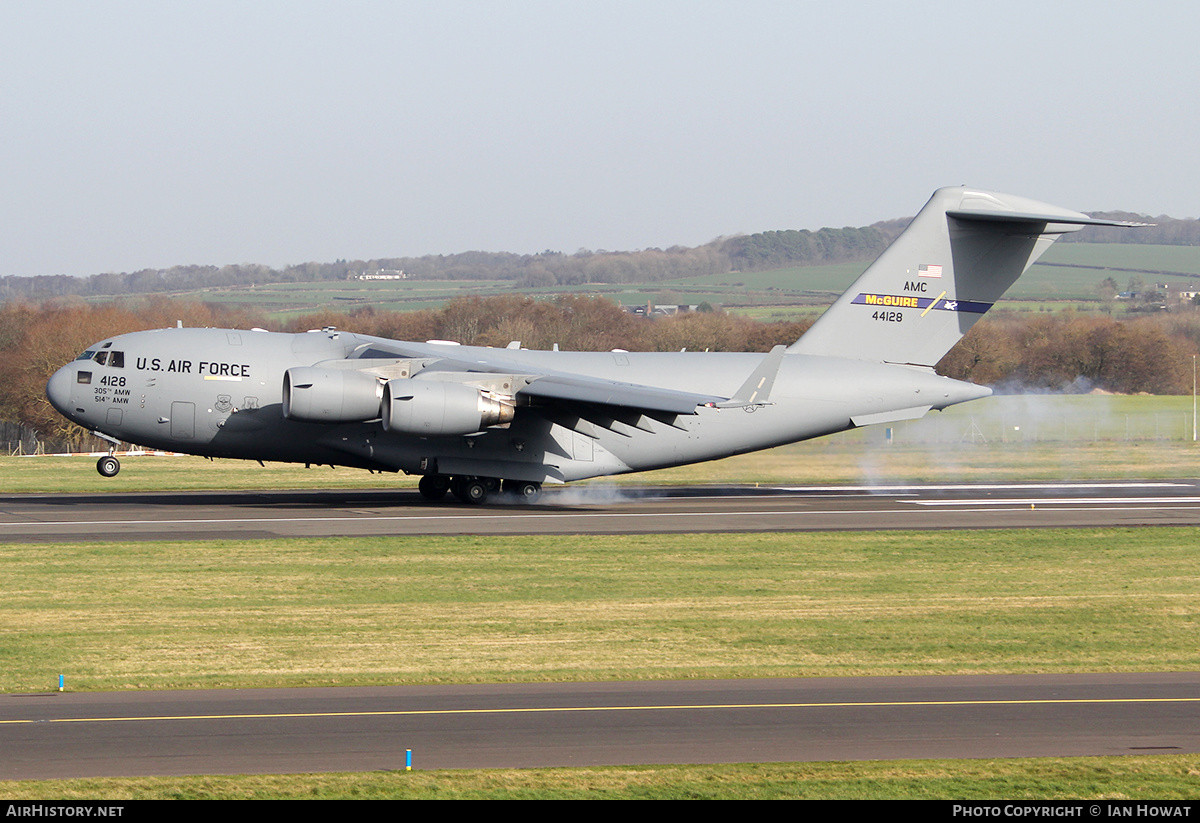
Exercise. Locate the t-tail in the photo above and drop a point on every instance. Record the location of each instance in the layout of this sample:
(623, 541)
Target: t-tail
(959, 255)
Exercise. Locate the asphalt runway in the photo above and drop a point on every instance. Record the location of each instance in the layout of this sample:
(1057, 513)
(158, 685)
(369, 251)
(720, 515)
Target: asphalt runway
(587, 724)
(597, 510)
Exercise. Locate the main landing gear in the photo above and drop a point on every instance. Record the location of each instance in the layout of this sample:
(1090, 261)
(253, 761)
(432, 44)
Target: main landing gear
(476, 490)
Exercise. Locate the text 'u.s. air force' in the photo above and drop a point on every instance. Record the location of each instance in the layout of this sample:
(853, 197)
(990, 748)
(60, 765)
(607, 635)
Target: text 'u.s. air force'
(202, 367)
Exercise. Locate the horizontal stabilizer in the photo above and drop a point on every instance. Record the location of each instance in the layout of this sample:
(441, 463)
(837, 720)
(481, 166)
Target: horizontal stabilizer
(897, 416)
(1030, 217)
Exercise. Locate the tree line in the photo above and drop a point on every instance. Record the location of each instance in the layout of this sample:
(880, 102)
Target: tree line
(546, 269)
(761, 251)
(1166, 231)
(1010, 351)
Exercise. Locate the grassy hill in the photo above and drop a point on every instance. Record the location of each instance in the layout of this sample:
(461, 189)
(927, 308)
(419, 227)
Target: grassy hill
(1068, 276)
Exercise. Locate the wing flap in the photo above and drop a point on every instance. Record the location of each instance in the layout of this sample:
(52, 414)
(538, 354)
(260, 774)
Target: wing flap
(613, 393)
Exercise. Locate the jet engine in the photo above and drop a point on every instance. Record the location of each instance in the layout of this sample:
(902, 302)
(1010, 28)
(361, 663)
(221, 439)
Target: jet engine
(318, 395)
(432, 408)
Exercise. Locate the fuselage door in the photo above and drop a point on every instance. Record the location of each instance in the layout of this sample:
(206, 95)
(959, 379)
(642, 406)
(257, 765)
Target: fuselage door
(183, 420)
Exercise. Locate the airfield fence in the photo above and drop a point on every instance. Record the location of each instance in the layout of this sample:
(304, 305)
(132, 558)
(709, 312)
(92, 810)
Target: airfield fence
(1047, 419)
(1130, 427)
(16, 440)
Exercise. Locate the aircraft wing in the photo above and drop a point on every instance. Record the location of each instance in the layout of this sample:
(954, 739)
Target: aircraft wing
(546, 384)
(613, 393)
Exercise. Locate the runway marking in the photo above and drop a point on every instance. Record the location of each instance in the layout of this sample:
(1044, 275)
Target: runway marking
(1133, 504)
(1059, 501)
(668, 707)
(455, 517)
(990, 486)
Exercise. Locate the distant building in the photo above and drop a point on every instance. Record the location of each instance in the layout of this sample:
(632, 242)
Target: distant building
(380, 274)
(1177, 293)
(651, 310)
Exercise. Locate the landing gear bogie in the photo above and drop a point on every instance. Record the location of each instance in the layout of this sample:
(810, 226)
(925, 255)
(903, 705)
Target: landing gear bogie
(473, 490)
(108, 466)
(526, 491)
(477, 490)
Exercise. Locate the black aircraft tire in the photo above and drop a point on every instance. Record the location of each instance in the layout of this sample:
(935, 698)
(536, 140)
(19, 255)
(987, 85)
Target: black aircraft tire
(108, 466)
(525, 491)
(474, 491)
(434, 486)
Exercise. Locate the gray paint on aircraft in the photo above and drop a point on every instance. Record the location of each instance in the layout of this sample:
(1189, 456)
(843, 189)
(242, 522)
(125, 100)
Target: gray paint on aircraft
(531, 417)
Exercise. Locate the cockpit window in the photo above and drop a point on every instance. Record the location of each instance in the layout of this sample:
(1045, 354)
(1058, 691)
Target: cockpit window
(112, 359)
(84, 377)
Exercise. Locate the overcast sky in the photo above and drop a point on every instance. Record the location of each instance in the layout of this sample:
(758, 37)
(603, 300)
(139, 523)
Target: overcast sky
(148, 134)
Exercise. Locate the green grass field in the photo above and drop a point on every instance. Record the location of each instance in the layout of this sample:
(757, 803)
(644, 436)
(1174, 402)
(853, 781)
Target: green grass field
(1070, 282)
(1116, 779)
(257, 613)
(1068, 273)
(844, 459)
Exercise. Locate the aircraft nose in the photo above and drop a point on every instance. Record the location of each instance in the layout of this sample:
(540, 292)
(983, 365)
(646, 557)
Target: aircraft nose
(58, 389)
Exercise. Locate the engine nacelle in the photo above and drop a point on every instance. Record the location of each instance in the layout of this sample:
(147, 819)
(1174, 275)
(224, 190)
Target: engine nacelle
(432, 408)
(318, 395)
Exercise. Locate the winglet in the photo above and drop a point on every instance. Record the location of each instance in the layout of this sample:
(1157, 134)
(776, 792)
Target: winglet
(757, 388)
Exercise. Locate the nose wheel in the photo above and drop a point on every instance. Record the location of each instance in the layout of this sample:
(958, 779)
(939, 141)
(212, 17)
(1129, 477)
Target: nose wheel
(108, 466)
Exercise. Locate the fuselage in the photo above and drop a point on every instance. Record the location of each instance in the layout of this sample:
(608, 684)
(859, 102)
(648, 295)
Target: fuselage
(219, 393)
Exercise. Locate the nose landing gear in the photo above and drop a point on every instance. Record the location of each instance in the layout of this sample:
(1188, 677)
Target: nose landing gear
(108, 466)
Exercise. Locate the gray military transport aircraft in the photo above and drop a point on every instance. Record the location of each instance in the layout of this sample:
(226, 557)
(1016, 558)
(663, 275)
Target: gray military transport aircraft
(474, 421)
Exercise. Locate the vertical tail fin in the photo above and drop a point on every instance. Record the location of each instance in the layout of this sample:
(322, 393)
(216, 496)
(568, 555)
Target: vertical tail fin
(958, 256)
